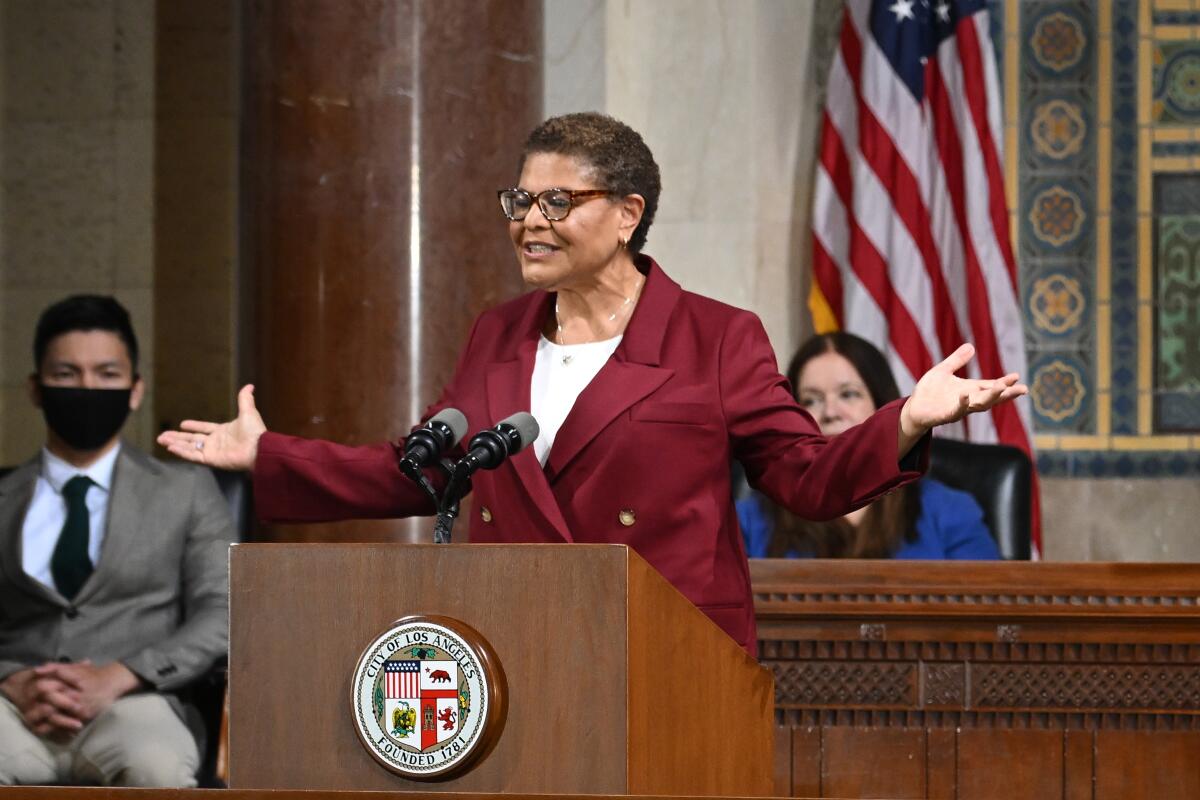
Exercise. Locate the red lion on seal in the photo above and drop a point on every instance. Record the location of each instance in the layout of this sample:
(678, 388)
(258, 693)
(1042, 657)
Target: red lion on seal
(447, 716)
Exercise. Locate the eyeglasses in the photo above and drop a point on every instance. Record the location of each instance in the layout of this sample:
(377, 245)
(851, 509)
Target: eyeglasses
(555, 204)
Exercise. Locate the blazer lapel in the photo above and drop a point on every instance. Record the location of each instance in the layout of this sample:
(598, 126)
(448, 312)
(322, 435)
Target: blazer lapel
(508, 392)
(16, 492)
(616, 387)
(631, 374)
(132, 491)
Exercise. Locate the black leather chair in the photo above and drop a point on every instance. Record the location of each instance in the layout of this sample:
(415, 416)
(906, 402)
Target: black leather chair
(999, 477)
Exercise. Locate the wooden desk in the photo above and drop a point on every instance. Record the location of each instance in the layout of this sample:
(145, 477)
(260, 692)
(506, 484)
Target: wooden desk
(974, 680)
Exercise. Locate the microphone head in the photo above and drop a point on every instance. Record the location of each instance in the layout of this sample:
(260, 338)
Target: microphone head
(525, 427)
(453, 419)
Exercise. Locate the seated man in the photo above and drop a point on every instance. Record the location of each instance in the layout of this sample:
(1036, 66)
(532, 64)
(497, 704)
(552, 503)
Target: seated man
(114, 574)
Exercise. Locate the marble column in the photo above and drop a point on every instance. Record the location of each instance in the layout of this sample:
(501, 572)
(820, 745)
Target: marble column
(375, 134)
(194, 220)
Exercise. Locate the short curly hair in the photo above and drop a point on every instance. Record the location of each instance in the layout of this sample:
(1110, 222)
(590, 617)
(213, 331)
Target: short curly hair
(616, 152)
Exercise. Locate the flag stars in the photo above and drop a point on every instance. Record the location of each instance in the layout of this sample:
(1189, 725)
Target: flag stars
(943, 11)
(903, 9)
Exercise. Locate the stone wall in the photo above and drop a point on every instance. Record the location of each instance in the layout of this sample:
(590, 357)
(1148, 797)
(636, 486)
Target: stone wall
(76, 156)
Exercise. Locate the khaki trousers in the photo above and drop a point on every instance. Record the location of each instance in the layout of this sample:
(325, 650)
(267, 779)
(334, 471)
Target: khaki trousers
(137, 741)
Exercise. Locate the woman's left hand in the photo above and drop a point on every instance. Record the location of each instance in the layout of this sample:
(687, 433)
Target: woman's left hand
(940, 396)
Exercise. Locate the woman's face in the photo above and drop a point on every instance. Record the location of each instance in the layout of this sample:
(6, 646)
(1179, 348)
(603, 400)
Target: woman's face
(571, 252)
(834, 393)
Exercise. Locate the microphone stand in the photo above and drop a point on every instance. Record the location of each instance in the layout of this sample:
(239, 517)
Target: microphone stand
(444, 522)
(486, 450)
(446, 505)
(414, 474)
(460, 475)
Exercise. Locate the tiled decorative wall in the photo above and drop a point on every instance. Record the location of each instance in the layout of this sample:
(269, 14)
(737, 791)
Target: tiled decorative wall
(1177, 300)
(1103, 105)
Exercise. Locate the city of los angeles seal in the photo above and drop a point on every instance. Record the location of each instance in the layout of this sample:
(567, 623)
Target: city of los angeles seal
(428, 697)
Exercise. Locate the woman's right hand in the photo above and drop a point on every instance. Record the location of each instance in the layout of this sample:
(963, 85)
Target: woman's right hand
(231, 445)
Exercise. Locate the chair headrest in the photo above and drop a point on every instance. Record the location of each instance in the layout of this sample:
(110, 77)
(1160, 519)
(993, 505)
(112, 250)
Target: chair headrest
(999, 477)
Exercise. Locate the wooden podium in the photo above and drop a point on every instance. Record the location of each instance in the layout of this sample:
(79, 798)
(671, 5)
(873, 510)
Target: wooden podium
(616, 683)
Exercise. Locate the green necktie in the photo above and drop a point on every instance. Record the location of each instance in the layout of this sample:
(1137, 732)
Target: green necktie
(70, 564)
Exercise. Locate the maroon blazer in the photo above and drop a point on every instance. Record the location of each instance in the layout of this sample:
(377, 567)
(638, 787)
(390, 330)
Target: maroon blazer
(642, 459)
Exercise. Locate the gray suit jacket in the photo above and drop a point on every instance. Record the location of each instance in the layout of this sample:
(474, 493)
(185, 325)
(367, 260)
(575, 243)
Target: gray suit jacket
(158, 601)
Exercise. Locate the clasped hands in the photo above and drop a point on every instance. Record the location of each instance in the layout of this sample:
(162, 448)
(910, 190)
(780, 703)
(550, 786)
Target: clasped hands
(57, 699)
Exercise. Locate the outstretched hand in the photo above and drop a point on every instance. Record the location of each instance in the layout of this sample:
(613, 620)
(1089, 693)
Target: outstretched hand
(941, 396)
(229, 445)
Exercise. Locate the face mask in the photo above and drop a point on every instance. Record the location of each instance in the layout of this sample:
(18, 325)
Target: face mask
(85, 418)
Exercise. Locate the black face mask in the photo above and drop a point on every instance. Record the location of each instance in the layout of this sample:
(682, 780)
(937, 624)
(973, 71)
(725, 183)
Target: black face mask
(85, 418)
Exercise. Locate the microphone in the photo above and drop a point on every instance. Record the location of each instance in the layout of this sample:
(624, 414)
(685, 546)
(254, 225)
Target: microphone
(486, 450)
(425, 445)
(489, 449)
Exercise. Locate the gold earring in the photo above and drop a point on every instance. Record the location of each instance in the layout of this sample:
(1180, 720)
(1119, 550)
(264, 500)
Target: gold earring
(622, 242)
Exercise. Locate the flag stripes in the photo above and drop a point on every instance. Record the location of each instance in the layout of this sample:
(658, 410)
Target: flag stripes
(911, 245)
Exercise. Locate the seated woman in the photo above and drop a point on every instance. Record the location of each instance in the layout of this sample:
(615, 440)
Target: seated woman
(841, 380)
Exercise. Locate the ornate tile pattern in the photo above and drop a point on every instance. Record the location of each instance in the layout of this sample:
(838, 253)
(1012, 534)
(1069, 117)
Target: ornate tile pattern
(1177, 302)
(1176, 84)
(1169, 149)
(1123, 254)
(1058, 210)
(1107, 215)
(1175, 17)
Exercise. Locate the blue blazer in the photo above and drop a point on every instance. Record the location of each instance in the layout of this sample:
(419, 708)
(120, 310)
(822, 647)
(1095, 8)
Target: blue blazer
(950, 526)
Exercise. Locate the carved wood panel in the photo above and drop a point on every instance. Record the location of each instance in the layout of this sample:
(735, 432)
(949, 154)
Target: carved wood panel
(823, 683)
(1109, 687)
(967, 686)
(1009, 676)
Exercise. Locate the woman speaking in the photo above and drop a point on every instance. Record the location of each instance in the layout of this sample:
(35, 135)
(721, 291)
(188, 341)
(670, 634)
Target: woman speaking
(644, 393)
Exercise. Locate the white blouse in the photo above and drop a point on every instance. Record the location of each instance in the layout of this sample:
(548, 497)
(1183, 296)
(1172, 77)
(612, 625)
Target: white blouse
(560, 373)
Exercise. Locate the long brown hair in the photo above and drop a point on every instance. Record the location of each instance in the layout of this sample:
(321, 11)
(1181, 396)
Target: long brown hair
(889, 520)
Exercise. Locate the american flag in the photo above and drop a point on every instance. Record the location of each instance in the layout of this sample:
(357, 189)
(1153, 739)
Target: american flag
(911, 245)
(402, 679)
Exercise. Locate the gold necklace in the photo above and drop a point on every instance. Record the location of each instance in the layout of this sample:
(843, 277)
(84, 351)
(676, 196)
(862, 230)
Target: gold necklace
(627, 303)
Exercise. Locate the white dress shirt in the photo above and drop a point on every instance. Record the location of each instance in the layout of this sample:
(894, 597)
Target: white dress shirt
(560, 373)
(48, 511)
